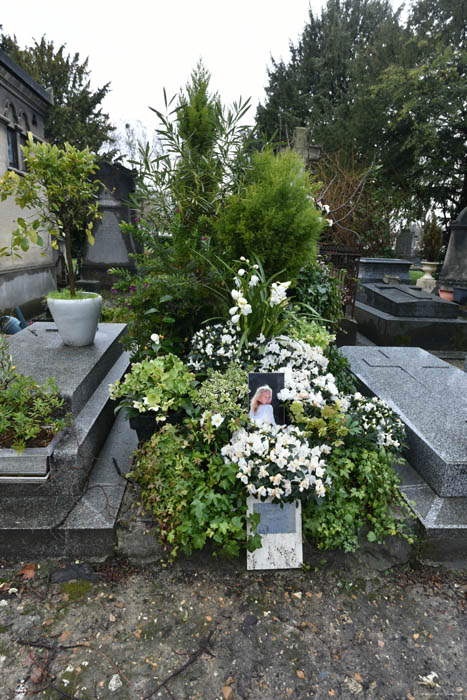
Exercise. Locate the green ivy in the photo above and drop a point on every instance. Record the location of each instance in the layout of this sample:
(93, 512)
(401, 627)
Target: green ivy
(364, 498)
(194, 497)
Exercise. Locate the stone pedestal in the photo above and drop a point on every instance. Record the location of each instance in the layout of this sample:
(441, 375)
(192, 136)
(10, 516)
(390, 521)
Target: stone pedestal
(42, 501)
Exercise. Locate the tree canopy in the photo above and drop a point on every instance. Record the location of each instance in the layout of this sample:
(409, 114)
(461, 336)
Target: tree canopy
(76, 116)
(380, 91)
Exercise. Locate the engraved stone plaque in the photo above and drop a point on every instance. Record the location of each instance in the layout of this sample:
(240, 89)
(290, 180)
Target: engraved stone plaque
(281, 535)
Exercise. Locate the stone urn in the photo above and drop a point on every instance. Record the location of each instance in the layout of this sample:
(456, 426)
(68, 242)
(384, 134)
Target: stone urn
(427, 282)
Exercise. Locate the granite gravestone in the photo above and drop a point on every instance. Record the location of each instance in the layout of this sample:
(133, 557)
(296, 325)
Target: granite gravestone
(404, 244)
(430, 397)
(280, 527)
(112, 248)
(407, 316)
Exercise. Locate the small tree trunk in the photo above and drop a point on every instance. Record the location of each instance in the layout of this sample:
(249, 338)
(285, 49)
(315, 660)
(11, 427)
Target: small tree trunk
(69, 263)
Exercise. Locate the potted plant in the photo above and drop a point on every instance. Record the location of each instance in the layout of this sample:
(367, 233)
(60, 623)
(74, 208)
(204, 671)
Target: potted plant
(153, 392)
(59, 189)
(431, 243)
(32, 416)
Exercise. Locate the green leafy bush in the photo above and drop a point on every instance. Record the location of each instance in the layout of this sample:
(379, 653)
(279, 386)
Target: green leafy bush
(160, 385)
(322, 288)
(30, 413)
(172, 304)
(193, 495)
(363, 498)
(273, 215)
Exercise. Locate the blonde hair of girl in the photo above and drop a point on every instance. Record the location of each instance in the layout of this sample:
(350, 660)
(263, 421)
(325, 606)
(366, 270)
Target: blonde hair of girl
(255, 400)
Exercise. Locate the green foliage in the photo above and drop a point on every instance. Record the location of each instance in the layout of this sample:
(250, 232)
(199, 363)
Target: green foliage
(257, 305)
(64, 176)
(28, 411)
(192, 494)
(76, 116)
(160, 385)
(384, 92)
(339, 367)
(364, 499)
(426, 100)
(170, 302)
(204, 156)
(336, 57)
(224, 393)
(320, 286)
(311, 332)
(272, 216)
(432, 240)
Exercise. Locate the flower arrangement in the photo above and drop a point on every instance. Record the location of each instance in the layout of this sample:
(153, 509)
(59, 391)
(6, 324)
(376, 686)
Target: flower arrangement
(378, 421)
(223, 398)
(277, 462)
(160, 385)
(217, 345)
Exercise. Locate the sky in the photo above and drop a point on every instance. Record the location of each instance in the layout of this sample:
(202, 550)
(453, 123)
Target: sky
(142, 46)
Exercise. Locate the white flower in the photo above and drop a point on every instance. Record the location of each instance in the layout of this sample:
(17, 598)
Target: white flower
(235, 294)
(235, 318)
(217, 420)
(246, 309)
(233, 310)
(155, 338)
(241, 272)
(253, 281)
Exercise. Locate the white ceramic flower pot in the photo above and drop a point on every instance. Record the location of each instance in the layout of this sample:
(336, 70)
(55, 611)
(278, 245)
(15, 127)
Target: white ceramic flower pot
(76, 319)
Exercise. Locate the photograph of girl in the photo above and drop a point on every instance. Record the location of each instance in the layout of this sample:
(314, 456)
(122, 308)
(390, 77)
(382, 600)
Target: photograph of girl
(261, 410)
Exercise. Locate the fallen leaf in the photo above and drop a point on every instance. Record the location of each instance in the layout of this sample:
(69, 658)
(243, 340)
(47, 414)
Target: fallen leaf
(36, 674)
(48, 622)
(229, 680)
(227, 692)
(380, 643)
(209, 618)
(300, 674)
(331, 692)
(358, 677)
(28, 571)
(137, 633)
(298, 595)
(64, 635)
(112, 618)
(416, 635)
(289, 691)
(410, 696)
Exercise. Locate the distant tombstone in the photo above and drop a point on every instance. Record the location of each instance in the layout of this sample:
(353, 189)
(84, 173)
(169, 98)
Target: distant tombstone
(280, 527)
(112, 248)
(454, 270)
(404, 244)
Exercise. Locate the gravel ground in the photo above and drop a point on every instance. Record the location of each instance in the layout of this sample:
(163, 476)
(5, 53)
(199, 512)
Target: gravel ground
(207, 628)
